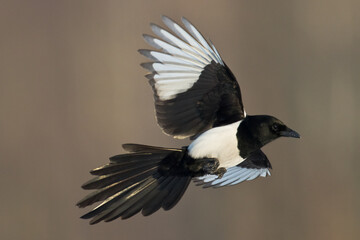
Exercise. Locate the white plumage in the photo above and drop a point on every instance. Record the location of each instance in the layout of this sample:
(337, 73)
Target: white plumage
(219, 143)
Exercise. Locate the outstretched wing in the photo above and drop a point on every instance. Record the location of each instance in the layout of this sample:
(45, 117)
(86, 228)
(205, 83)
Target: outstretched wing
(257, 164)
(194, 90)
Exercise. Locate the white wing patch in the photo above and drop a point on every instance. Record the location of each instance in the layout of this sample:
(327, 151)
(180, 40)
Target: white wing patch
(234, 175)
(183, 56)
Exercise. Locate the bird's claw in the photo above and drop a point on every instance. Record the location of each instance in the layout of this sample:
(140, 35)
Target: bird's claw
(220, 172)
(212, 167)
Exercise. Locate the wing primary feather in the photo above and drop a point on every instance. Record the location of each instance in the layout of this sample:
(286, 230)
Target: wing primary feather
(179, 31)
(229, 181)
(216, 52)
(243, 178)
(170, 38)
(166, 47)
(168, 58)
(148, 66)
(158, 67)
(255, 175)
(185, 36)
(196, 34)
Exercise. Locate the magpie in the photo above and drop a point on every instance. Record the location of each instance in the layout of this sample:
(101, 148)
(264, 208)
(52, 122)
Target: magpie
(196, 96)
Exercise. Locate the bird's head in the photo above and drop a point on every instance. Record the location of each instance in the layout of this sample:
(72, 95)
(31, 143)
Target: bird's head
(269, 128)
(256, 131)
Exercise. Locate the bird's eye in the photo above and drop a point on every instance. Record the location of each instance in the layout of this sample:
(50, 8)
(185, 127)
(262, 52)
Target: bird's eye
(275, 127)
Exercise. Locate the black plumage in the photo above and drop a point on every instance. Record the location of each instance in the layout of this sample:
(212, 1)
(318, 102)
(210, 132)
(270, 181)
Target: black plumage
(196, 95)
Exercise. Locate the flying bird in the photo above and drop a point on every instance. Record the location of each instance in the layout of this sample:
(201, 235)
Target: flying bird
(197, 97)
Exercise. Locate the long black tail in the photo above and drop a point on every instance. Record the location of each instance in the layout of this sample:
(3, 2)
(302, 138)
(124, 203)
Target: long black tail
(145, 179)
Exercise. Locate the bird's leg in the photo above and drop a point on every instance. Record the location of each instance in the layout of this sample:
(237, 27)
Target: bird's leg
(210, 165)
(202, 166)
(205, 166)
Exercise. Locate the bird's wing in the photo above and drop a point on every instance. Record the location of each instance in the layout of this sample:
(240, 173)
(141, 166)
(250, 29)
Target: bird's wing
(194, 90)
(257, 164)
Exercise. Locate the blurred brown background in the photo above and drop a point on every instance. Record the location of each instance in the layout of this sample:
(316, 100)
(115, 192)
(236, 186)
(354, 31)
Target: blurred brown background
(72, 91)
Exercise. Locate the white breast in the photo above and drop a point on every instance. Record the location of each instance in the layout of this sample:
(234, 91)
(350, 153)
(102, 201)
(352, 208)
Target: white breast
(219, 143)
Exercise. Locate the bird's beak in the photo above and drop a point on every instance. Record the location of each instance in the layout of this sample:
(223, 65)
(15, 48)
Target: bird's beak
(289, 133)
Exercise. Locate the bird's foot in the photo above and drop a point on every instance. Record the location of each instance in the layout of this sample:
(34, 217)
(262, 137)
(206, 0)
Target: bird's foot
(220, 172)
(204, 166)
(211, 166)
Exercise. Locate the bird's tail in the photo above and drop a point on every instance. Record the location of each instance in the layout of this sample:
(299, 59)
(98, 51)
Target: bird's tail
(145, 179)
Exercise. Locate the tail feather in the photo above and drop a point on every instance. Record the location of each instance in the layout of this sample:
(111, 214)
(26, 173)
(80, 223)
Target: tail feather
(110, 190)
(132, 182)
(115, 167)
(106, 180)
(139, 205)
(176, 193)
(137, 157)
(122, 201)
(156, 200)
(114, 199)
(139, 198)
(139, 148)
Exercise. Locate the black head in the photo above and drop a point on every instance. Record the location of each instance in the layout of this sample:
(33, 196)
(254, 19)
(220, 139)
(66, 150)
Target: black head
(256, 131)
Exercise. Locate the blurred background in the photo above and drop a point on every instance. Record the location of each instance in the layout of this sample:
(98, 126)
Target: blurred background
(72, 91)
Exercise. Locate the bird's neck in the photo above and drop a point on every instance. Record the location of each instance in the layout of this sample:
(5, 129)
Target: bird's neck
(249, 136)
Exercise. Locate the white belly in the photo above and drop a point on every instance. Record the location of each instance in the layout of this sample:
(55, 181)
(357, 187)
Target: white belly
(219, 143)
